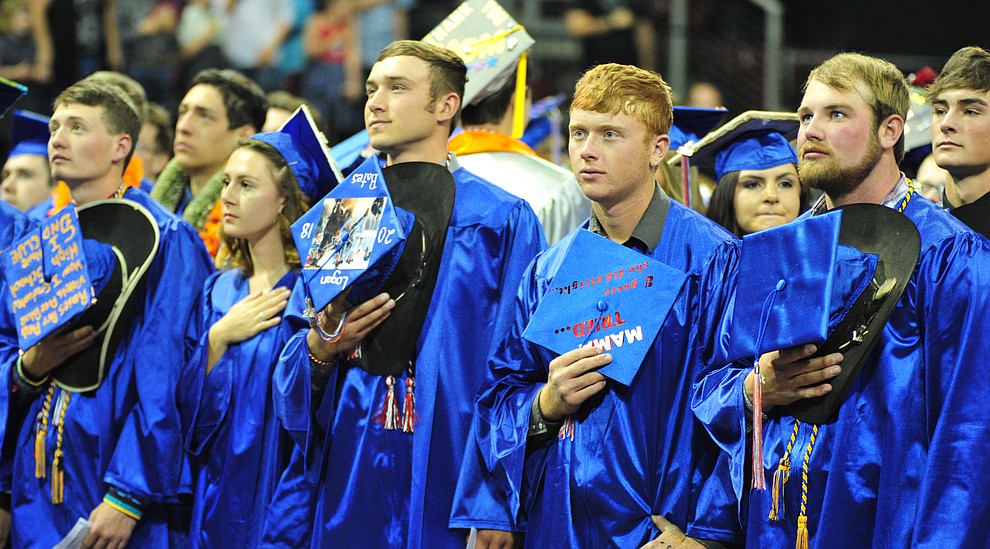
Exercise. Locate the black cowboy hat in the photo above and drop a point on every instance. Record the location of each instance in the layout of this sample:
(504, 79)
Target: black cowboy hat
(131, 238)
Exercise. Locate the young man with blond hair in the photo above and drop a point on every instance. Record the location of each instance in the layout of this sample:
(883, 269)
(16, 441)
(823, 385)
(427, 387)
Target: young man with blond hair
(884, 472)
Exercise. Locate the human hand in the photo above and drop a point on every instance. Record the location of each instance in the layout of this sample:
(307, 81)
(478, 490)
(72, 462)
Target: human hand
(353, 89)
(111, 528)
(671, 536)
(359, 322)
(49, 353)
(573, 379)
(789, 375)
(497, 539)
(249, 317)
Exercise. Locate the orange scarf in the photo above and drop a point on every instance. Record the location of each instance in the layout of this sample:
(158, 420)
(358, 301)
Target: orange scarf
(481, 141)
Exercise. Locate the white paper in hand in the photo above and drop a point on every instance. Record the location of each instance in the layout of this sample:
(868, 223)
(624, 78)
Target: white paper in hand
(74, 539)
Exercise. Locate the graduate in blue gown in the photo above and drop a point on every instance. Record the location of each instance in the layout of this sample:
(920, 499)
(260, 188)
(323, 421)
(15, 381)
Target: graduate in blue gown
(590, 462)
(121, 443)
(239, 447)
(890, 470)
(377, 487)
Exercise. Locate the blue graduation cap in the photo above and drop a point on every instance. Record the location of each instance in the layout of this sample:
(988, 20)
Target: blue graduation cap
(616, 302)
(29, 135)
(304, 149)
(754, 151)
(57, 278)
(47, 275)
(831, 280)
(751, 141)
(349, 235)
(693, 123)
(794, 281)
(10, 92)
(544, 120)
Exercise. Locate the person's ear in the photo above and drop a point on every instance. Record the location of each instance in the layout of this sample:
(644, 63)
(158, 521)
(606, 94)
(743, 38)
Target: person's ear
(446, 107)
(658, 150)
(890, 131)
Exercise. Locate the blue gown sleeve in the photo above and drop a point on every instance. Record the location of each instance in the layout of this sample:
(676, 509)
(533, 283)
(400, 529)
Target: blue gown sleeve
(504, 403)
(201, 418)
(146, 461)
(481, 498)
(292, 390)
(954, 293)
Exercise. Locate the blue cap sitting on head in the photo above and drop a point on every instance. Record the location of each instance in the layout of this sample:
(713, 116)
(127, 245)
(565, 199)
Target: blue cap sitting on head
(756, 151)
(693, 123)
(30, 134)
(304, 149)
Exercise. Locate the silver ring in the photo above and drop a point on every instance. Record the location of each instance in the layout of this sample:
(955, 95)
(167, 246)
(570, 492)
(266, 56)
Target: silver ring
(261, 317)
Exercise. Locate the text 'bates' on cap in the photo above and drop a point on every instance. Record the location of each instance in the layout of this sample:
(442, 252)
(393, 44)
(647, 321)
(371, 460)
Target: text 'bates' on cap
(608, 296)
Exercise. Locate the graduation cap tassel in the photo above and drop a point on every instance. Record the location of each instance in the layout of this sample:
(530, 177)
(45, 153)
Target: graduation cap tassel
(409, 408)
(781, 476)
(41, 434)
(58, 489)
(802, 531)
(759, 482)
(519, 116)
(58, 475)
(388, 417)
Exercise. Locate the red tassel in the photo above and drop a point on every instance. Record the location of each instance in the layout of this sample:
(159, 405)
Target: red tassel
(409, 408)
(388, 417)
(759, 482)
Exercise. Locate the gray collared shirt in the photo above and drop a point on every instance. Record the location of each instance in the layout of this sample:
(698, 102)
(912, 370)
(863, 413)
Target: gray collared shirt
(646, 236)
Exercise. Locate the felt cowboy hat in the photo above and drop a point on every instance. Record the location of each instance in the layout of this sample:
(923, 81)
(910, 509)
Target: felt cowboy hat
(127, 240)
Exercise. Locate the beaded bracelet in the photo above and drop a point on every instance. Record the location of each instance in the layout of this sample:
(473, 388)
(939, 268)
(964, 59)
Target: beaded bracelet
(318, 362)
(24, 382)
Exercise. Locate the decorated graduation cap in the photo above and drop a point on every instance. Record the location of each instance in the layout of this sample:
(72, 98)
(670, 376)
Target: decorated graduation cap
(304, 149)
(30, 134)
(380, 230)
(10, 92)
(616, 301)
(492, 45)
(81, 270)
(831, 280)
(754, 140)
(693, 123)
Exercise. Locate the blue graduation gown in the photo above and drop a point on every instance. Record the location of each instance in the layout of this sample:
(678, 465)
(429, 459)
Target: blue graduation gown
(126, 433)
(899, 466)
(637, 451)
(227, 415)
(380, 488)
(14, 224)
